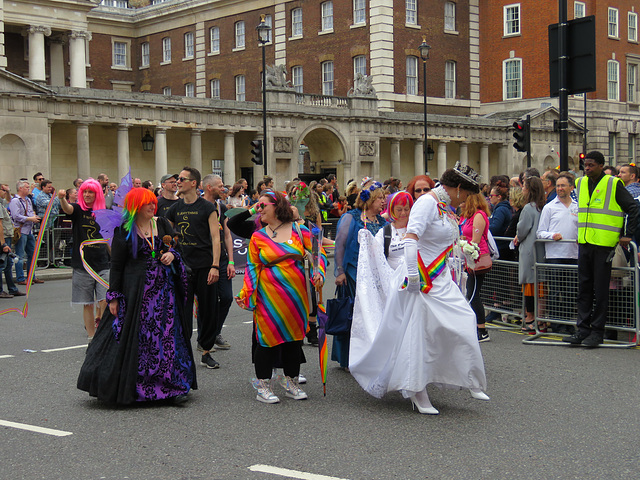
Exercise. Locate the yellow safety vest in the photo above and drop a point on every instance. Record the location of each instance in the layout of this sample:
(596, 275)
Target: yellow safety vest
(600, 218)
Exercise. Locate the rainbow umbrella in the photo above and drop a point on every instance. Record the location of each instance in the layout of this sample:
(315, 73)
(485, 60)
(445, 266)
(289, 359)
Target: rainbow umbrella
(323, 351)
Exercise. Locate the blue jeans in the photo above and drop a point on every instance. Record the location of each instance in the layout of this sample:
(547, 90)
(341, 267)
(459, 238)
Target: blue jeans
(7, 272)
(24, 248)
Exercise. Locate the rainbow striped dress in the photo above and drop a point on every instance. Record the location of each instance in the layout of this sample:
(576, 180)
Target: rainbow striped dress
(278, 294)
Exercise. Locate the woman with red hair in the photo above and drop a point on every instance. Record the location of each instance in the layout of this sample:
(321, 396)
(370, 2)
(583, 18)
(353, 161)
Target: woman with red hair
(419, 185)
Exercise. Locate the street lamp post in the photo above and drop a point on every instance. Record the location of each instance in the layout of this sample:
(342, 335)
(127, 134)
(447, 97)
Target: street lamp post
(424, 54)
(263, 37)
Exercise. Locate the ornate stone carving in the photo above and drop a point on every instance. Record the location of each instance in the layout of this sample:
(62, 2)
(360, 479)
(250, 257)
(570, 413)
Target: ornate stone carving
(80, 34)
(276, 77)
(367, 149)
(362, 86)
(282, 144)
(38, 29)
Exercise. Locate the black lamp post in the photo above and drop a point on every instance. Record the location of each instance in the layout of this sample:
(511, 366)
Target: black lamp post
(424, 54)
(147, 142)
(263, 37)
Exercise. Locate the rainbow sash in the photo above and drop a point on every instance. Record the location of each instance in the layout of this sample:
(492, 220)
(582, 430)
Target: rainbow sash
(430, 272)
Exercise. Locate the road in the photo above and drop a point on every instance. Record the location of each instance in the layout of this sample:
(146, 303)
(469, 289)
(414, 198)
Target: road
(555, 412)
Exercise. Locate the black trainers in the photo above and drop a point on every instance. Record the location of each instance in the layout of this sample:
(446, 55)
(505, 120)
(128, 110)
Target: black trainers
(576, 338)
(209, 362)
(593, 340)
(221, 343)
(483, 336)
(312, 334)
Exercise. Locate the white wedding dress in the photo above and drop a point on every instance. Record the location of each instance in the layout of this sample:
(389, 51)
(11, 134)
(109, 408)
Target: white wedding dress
(403, 341)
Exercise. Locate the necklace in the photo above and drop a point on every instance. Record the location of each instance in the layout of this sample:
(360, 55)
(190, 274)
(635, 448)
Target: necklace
(274, 232)
(442, 195)
(152, 243)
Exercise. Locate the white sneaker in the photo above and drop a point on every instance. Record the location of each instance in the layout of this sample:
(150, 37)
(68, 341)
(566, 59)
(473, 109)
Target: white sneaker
(292, 388)
(265, 394)
(300, 379)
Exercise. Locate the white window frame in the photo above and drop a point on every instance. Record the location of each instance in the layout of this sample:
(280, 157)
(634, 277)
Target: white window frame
(240, 88)
(511, 22)
(189, 48)
(239, 35)
(166, 51)
(450, 17)
(450, 83)
(359, 65)
(115, 3)
(411, 12)
(189, 90)
(412, 75)
(632, 146)
(214, 88)
(120, 54)
(579, 10)
(632, 27)
(632, 82)
(327, 78)
(359, 12)
(268, 20)
(145, 56)
(326, 15)
(612, 22)
(509, 81)
(214, 40)
(613, 80)
(166, 91)
(297, 78)
(296, 22)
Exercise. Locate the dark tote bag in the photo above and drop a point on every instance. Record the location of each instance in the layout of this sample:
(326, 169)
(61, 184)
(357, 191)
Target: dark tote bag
(339, 313)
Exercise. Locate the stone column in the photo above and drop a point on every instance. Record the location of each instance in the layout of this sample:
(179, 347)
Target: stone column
(442, 157)
(196, 150)
(418, 157)
(84, 158)
(484, 162)
(395, 158)
(57, 61)
(161, 152)
(229, 176)
(376, 162)
(37, 71)
(502, 159)
(77, 58)
(464, 153)
(123, 150)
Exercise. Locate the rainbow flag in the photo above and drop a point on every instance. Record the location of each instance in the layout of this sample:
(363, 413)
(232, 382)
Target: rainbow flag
(429, 272)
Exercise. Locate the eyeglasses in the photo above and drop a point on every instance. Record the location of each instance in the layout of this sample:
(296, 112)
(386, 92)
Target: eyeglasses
(421, 190)
(185, 179)
(494, 195)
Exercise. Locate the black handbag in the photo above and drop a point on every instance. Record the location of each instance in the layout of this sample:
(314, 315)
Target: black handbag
(339, 313)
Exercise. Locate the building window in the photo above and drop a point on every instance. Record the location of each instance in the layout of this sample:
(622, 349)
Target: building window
(450, 79)
(240, 97)
(613, 141)
(214, 85)
(326, 9)
(144, 54)
(512, 19)
(633, 26)
(327, 78)
(450, 16)
(579, 10)
(239, 29)
(268, 20)
(412, 75)
(166, 91)
(188, 45)
(360, 66)
(632, 83)
(613, 22)
(613, 74)
(411, 12)
(166, 50)
(359, 12)
(115, 3)
(512, 72)
(297, 78)
(189, 90)
(120, 54)
(214, 40)
(296, 22)
(633, 138)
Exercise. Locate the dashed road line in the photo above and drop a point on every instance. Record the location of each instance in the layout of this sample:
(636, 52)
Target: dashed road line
(285, 472)
(33, 428)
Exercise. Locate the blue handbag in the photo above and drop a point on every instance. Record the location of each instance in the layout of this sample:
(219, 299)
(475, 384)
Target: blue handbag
(339, 313)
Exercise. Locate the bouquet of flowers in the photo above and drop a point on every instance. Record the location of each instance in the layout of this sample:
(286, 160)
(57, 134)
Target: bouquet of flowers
(299, 197)
(470, 250)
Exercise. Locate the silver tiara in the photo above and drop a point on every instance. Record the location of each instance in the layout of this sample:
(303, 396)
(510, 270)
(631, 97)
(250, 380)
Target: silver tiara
(468, 173)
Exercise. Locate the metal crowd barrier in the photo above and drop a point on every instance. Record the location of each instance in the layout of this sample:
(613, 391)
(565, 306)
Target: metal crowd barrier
(501, 292)
(556, 290)
(55, 250)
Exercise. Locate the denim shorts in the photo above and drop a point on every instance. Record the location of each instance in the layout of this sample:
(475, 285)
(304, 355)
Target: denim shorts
(85, 290)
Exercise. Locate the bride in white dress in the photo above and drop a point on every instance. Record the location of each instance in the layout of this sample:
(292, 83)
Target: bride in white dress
(427, 332)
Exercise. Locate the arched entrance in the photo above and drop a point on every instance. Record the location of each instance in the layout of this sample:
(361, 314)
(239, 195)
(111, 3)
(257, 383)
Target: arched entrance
(324, 151)
(13, 157)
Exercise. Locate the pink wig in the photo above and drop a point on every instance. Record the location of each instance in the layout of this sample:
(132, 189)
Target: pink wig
(95, 187)
(400, 198)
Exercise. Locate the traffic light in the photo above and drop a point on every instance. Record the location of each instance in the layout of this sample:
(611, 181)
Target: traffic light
(256, 151)
(521, 135)
(581, 163)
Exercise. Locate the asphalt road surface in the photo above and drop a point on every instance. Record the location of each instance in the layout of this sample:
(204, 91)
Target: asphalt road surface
(555, 413)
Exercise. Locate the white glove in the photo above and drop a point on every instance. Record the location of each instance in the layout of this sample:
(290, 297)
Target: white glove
(414, 284)
(411, 260)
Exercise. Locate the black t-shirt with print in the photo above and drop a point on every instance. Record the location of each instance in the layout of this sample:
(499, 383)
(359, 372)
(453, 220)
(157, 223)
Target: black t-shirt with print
(191, 221)
(85, 227)
(164, 204)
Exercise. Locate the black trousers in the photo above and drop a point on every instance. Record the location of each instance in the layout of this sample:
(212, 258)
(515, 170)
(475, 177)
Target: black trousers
(266, 358)
(594, 274)
(474, 287)
(223, 297)
(207, 303)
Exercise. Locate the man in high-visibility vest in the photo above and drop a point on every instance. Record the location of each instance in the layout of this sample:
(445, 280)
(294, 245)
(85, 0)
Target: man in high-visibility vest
(602, 204)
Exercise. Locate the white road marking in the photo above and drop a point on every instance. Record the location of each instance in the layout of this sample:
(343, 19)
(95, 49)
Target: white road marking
(49, 350)
(32, 428)
(284, 472)
(248, 322)
(7, 356)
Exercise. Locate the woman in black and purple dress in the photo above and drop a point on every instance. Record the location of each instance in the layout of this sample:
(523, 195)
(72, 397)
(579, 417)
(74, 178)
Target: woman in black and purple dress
(142, 349)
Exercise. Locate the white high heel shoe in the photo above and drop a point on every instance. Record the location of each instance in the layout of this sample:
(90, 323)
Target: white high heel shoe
(424, 410)
(479, 394)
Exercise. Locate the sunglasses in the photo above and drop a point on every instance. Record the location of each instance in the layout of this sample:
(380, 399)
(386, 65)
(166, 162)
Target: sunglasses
(421, 190)
(494, 195)
(185, 179)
